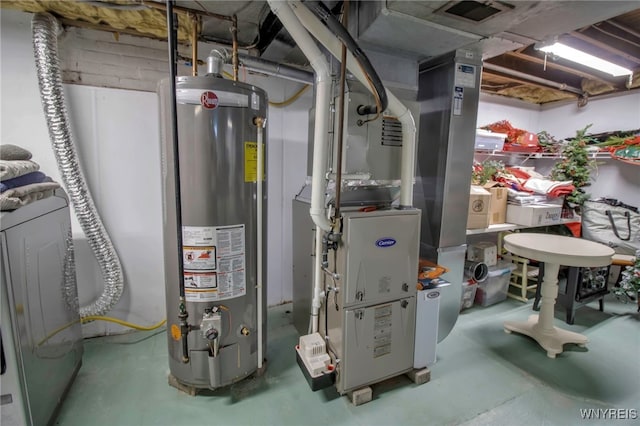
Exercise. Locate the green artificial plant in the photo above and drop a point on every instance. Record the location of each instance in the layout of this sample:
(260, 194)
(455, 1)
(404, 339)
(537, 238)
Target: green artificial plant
(629, 287)
(486, 171)
(575, 166)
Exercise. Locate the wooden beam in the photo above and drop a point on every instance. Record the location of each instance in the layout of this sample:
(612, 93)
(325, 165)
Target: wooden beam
(528, 82)
(605, 46)
(559, 71)
(623, 28)
(555, 65)
(107, 28)
(535, 71)
(624, 39)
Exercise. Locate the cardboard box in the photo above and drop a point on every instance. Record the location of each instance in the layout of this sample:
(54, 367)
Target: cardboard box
(498, 206)
(479, 208)
(483, 251)
(534, 214)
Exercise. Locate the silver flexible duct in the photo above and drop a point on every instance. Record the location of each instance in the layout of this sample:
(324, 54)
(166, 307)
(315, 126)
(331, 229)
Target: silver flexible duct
(69, 285)
(45, 47)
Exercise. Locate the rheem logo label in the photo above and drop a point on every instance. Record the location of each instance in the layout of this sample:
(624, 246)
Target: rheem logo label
(209, 100)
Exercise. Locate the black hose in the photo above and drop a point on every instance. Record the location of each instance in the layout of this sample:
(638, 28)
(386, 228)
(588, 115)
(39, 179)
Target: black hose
(173, 49)
(171, 38)
(343, 35)
(326, 315)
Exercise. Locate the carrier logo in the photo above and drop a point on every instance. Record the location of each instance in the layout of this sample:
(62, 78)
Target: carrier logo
(386, 242)
(209, 100)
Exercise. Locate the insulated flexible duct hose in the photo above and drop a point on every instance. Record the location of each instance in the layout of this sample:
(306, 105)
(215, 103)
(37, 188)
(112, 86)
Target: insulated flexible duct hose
(45, 47)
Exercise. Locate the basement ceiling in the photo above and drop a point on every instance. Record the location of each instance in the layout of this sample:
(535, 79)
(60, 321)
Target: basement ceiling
(505, 32)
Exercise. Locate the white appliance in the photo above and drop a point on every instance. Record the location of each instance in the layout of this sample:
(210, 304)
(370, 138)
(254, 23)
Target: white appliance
(427, 314)
(40, 322)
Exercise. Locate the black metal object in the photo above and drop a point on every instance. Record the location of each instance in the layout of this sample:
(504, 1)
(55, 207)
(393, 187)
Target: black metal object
(267, 32)
(4, 362)
(172, 38)
(343, 35)
(580, 289)
(316, 383)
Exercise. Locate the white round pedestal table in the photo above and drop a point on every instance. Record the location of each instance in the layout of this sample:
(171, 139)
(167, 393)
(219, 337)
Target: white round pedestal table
(553, 250)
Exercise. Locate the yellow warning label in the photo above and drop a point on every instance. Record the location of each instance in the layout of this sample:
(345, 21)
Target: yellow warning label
(175, 332)
(251, 161)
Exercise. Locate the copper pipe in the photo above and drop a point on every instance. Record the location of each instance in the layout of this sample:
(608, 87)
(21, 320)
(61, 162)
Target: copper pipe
(186, 10)
(234, 46)
(194, 43)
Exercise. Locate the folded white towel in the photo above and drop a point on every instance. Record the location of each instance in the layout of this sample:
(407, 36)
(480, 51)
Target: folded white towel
(22, 195)
(544, 186)
(14, 168)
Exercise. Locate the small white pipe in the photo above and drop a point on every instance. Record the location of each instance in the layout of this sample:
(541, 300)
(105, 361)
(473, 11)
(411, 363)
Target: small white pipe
(260, 123)
(395, 107)
(320, 135)
(316, 301)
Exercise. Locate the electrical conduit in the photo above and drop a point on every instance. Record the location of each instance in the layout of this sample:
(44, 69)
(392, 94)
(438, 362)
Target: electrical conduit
(260, 124)
(45, 47)
(323, 96)
(172, 44)
(396, 108)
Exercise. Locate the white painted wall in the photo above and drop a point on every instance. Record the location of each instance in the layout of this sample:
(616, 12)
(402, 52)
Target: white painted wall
(520, 114)
(605, 113)
(116, 137)
(611, 178)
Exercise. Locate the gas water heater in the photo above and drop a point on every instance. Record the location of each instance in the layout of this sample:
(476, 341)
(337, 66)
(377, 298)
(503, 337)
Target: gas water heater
(216, 299)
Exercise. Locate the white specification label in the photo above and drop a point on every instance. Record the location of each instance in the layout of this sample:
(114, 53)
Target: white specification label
(382, 331)
(214, 262)
(465, 75)
(458, 98)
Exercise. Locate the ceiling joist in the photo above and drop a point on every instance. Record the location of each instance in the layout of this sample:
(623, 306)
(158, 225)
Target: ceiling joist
(606, 46)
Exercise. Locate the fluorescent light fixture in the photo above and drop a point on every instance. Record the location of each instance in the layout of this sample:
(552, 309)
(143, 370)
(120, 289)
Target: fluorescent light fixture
(586, 59)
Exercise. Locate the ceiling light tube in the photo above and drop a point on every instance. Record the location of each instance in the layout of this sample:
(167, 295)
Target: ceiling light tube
(586, 59)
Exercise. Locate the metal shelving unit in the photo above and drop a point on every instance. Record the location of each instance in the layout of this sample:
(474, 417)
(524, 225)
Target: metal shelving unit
(501, 227)
(597, 155)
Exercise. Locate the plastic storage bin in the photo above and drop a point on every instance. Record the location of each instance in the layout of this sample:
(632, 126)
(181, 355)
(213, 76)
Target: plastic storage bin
(489, 141)
(468, 294)
(494, 288)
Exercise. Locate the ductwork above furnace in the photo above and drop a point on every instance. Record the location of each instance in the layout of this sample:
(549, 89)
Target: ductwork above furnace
(425, 29)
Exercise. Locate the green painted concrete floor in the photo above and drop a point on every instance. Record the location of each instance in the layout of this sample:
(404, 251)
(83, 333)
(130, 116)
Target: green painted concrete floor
(483, 376)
